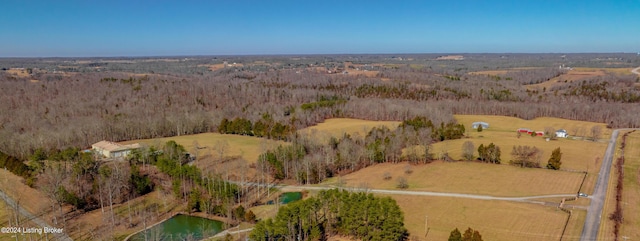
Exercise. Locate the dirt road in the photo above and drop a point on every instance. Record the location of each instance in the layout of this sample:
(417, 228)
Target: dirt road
(41, 223)
(636, 71)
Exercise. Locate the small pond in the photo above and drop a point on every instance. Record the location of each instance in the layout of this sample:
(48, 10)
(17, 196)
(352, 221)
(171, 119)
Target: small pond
(181, 227)
(288, 197)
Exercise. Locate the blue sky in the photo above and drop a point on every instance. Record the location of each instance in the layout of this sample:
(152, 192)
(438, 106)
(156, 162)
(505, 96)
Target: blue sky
(84, 28)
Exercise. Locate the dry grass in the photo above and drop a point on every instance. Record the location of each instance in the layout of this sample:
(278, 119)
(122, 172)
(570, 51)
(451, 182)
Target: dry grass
(577, 154)
(95, 225)
(630, 193)
(249, 148)
(468, 177)
(19, 72)
(495, 220)
(30, 199)
(489, 72)
(264, 211)
(576, 75)
(339, 126)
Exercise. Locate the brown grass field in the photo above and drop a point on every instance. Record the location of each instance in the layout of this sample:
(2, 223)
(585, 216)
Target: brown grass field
(489, 72)
(338, 126)
(579, 74)
(246, 147)
(30, 199)
(495, 220)
(630, 193)
(577, 154)
(507, 220)
(468, 177)
(19, 72)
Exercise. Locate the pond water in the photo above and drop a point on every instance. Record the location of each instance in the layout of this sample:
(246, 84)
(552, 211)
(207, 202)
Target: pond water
(287, 197)
(181, 227)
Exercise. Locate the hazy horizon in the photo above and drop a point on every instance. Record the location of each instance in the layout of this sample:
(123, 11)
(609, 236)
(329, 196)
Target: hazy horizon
(195, 28)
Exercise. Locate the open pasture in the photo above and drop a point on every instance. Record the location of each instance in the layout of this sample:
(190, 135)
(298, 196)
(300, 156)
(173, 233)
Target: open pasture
(339, 126)
(578, 74)
(495, 220)
(208, 144)
(578, 154)
(467, 177)
(630, 192)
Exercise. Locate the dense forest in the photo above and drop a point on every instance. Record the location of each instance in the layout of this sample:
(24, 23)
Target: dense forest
(76, 102)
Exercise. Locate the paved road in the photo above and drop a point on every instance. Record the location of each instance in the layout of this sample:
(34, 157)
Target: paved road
(594, 212)
(33, 218)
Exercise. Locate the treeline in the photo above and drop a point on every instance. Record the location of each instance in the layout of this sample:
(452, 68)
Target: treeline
(265, 127)
(358, 215)
(14, 165)
(308, 160)
(323, 102)
(203, 193)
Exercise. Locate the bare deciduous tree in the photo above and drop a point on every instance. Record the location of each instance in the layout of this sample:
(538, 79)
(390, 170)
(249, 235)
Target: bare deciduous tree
(596, 132)
(467, 150)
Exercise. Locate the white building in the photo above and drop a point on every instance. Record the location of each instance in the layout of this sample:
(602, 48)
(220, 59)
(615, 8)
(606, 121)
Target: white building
(562, 133)
(484, 125)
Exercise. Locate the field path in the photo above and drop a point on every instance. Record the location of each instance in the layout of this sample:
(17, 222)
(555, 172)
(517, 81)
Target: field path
(437, 194)
(636, 71)
(41, 223)
(529, 199)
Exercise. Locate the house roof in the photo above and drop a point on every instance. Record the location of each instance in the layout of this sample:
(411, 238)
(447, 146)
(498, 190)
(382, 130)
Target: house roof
(112, 146)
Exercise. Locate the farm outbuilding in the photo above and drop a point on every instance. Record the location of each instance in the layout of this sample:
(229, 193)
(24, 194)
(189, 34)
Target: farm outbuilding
(524, 130)
(475, 125)
(562, 133)
(113, 150)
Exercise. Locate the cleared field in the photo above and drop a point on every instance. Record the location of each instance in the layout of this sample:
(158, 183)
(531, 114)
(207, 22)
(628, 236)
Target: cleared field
(489, 72)
(577, 154)
(630, 193)
(578, 74)
(19, 72)
(468, 177)
(248, 148)
(338, 126)
(495, 220)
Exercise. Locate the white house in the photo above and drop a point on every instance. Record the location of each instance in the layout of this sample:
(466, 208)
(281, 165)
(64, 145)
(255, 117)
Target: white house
(562, 133)
(113, 150)
(475, 125)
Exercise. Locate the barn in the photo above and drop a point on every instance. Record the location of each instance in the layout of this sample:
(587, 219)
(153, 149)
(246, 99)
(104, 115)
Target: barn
(524, 130)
